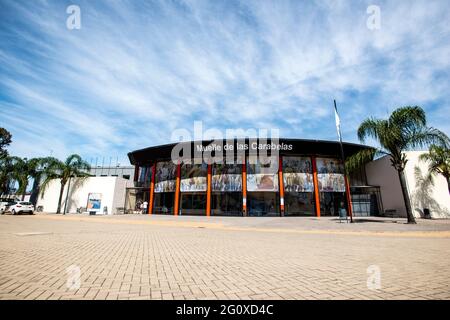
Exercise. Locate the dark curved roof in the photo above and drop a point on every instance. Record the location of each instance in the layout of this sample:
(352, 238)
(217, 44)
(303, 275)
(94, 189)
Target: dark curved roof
(299, 147)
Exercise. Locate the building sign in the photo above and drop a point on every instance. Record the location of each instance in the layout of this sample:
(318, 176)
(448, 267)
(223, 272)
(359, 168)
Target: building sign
(227, 151)
(94, 202)
(193, 177)
(244, 146)
(165, 177)
(297, 174)
(330, 173)
(226, 178)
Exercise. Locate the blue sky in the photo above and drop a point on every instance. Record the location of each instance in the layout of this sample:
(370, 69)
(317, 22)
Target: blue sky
(138, 70)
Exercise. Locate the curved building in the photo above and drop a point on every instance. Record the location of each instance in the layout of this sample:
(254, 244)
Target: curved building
(248, 177)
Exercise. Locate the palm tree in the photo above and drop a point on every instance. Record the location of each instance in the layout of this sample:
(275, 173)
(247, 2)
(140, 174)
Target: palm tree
(38, 168)
(22, 170)
(5, 140)
(438, 159)
(74, 166)
(6, 174)
(405, 129)
(20, 174)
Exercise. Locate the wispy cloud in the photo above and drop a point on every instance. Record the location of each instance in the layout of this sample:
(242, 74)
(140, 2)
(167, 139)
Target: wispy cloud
(136, 70)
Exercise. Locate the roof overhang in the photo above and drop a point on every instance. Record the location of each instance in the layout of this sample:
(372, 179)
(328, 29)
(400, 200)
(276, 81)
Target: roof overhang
(286, 147)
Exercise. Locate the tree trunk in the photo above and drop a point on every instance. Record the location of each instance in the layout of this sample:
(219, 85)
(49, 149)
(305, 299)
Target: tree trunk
(60, 198)
(409, 213)
(67, 198)
(35, 191)
(24, 190)
(448, 184)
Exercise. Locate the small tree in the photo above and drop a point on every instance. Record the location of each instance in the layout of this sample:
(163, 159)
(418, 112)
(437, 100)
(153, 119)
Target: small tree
(20, 174)
(5, 140)
(22, 170)
(74, 166)
(438, 159)
(405, 129)
(6, 174)
(6, 162)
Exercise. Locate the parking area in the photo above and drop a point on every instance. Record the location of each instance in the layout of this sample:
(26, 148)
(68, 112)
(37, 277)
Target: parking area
(48, 256)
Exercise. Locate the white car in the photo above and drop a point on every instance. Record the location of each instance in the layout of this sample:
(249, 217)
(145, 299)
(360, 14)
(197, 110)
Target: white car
(21, 207)
(4, 204)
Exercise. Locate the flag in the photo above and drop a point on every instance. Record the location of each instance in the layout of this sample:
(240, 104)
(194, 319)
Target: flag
(338, 122)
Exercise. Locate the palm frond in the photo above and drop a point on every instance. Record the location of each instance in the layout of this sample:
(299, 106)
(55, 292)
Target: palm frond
(369, 128)
(408, 117)
(359, 159)
(438, 159)
(73, 166)
(426, 137)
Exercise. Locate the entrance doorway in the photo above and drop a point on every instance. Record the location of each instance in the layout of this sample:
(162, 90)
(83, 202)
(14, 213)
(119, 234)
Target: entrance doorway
(193, 203)
(134, 198)
(330, 202)
(164, 202)
(263, 204)
(226, 204)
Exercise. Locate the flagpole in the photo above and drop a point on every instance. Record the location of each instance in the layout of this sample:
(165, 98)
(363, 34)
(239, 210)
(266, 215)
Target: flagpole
(347, 191)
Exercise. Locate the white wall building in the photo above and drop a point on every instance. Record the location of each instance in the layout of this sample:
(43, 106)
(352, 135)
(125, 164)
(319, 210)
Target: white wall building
(434, 197)
(109, 190)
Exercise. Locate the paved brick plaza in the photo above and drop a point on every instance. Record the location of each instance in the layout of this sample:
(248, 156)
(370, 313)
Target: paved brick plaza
(157, 257)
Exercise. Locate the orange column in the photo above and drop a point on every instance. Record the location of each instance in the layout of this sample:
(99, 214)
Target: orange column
(152, 190)
(244, 188)
(316, 187)
(281, 184)
(177, 191)
(208, 192)
(349, 198)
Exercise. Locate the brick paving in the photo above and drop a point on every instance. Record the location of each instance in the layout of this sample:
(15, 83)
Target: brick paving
(164, 257)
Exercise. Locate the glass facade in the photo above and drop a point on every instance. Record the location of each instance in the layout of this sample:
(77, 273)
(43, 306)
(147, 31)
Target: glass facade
(165, 177)
(144, 177)
(330, 173)
(140, 193)
(163, 202)
(263, 204)
(299, 204)
(298, 186)
(226, 185)
(164, 194)
(366, 201)
(226, 204)
(262, 175)
(193, 186)
(193, 203)
(263, 188)
(226, 177)
(193, 177)
(331, 202)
